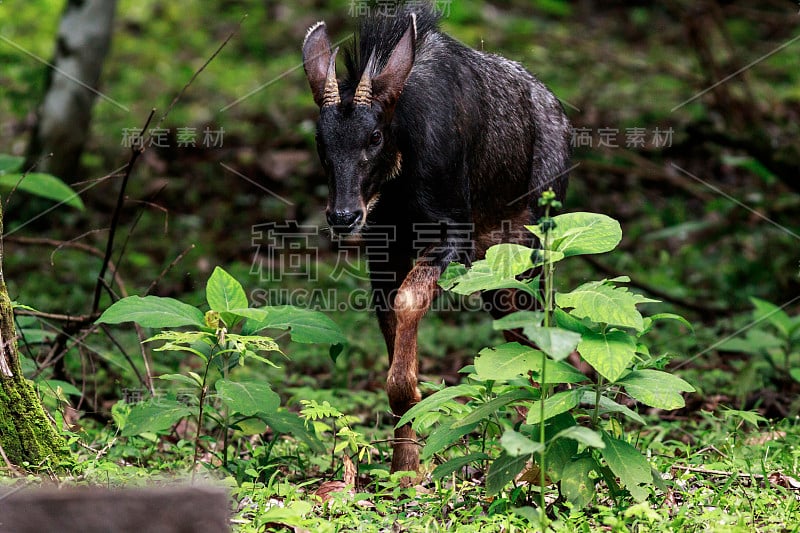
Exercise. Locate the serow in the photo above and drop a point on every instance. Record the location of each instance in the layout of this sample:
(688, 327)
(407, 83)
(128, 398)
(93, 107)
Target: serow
(432, 152)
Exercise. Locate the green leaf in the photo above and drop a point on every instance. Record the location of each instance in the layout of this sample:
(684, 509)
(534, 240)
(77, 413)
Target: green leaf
(248, 398)
(602, 302)
(554, 405)
(443, 437)
(454, 465)
(451, 275)
(656, 389)
(437, 400)
(795, 373)
(566, 321)
(773, 314)
(609, 353)
(152, 312)
(607, 405)
(651, 320)
(508, 260)
(582, 234)
(519, 319)
(489, 408)
(224, 293)
(481, 277)
(154, 416)
(502, 471)
(44, 186)
(516, 444)
(512, 360)
(507, 361)
(556, 342)
(183, 379)
(10, 163)
(629, 465)
(305, 326)
(583, 435)
(287, 423)
(577, 485)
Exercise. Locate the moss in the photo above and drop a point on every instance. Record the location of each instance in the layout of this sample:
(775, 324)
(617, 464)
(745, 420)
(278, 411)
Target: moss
(26, 433)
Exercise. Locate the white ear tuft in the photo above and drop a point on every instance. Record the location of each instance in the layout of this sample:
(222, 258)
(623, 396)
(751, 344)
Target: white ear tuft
(414, 24)
(312, 29)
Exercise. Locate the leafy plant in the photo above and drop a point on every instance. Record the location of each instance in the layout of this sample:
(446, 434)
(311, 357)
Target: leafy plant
(213, 396)
(316, 413)
(572, 434)
(773, 344)
(39, 184)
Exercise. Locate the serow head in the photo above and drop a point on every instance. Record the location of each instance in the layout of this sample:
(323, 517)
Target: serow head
(355, 138)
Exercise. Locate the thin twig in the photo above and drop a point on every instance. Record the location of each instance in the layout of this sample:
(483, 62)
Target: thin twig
(169, 267)
(119, 346)
(22, 178)
(135, 153)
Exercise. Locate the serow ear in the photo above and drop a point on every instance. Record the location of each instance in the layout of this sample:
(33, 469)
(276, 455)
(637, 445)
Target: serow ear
(317, 60)
(388, 85)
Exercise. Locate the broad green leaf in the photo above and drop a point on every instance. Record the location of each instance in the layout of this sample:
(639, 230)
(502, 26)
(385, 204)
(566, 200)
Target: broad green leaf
(795, 373)
(516, 444)
(437, 400)
(287, 423)
(583, 435)
(305, 326)
(290, 516)
(577, 485)
(444, 436)
(480, 277)
(609, 353)
(756, 342)
(773, 314)
(607, 405)
(502, 471)
(10, 163)
(492, 406)
(582, 233)
(656, 389)
(651, 320)
(154, 416)
(59, 388)
(556, 342)
(183, 379)
(224, 293)
(629, 465)
(602, 302)
(451, 275)
(560, 451)
(507, 361)
(566, 321)
(554, 405)
(519, 319)
(152, 312)
(508, 260)
(454, 465)
(253, 313)
(44, 186)
(248, 398)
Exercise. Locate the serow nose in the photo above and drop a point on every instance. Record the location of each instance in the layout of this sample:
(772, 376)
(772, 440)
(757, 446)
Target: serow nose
(345, 221)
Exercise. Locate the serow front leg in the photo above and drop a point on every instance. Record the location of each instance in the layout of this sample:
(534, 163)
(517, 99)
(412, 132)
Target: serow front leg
(414, 298)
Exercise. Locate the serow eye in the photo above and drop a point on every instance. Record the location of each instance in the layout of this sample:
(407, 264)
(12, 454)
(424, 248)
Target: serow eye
(376, 138)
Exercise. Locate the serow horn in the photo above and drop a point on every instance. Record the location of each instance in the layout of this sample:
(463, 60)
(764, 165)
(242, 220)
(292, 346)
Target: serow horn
(363, 94)
(331, 96)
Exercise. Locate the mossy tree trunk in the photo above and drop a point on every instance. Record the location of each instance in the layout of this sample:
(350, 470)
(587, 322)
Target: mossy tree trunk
(26, 433)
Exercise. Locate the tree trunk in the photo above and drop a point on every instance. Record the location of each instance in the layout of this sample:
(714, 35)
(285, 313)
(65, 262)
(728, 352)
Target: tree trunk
(26, 434)
(62, 128)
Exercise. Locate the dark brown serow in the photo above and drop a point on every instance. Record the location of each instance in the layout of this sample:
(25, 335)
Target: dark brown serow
(425, 136)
